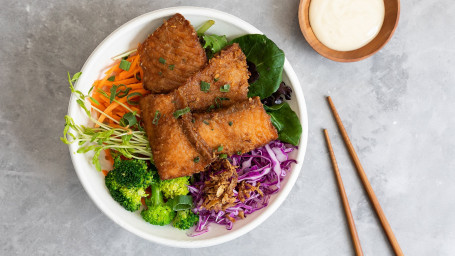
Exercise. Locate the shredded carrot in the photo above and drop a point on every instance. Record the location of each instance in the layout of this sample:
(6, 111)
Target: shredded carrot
(108, 74)
(109, 156)
(131, 79)
(105, 172)
(135, 86)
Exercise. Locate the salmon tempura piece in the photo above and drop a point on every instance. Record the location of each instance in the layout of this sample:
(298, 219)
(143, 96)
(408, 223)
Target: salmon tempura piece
(170, 55)
(223, 82)
(240, 128)
(177, 150)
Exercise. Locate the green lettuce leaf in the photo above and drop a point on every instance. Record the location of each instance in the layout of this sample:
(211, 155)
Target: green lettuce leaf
(269, 61)
(286, 122)
(213, 44)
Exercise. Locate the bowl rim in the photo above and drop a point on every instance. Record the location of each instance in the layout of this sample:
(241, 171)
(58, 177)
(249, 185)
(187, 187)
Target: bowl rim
(280, 197)
(307, 32)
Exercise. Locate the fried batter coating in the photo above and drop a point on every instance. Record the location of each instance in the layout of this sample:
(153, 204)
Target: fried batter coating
(170, 55)
(177, 151)
(227, 77)
(242, 127)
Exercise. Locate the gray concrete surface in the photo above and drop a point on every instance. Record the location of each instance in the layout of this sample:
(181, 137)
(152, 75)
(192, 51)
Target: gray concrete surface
(398, 106)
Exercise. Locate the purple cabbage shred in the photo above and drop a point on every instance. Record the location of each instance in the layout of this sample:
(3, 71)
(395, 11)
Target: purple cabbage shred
(268, 165)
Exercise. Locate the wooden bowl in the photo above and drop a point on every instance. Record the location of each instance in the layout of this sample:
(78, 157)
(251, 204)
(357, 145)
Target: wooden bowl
(391, 16)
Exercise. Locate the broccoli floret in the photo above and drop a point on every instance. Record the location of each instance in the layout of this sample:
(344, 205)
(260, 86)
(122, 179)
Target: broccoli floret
(127, 182)
(132, 173)
(175, 187)
(185, 219)
(158, 212)
(129, 198)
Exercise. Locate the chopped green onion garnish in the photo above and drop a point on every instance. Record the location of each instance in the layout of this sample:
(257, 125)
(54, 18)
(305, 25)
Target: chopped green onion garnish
(156, 118)
(181, 112)
(160, 73)
(123, 93)
(205, 87)
(161, 60)
(210, 108)
(131, 95)
(181, 202)
(239, 153)
(216, 79)
(220, 148)
(219, 101)
(230, 123)
(111, 79)
(206, 122)
(196, 159)
(129, 119)
(171, 67)
(225, 88)
(223, 156)
(193, 120)
(120, 93)
(138, 77)
(125, 65)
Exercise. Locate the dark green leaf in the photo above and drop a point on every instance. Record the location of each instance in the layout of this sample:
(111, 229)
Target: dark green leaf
(161, 60)
(171, 67)
(286, 122)
(220, 148)
(125, 65)
(223, 156)
(181, 112)
(111, 79)
(269, 61)
(230, 123)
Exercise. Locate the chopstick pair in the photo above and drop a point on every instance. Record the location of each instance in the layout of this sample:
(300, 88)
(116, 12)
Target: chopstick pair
(366, 184)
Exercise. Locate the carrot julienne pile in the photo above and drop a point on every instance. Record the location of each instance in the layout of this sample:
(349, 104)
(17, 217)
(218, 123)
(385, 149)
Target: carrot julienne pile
(125, 81)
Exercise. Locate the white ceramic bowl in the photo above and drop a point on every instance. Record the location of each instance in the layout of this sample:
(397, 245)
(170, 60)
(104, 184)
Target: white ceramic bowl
(127, 37)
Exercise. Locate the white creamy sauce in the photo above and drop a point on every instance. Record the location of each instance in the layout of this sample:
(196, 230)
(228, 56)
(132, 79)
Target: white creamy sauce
(346, 25)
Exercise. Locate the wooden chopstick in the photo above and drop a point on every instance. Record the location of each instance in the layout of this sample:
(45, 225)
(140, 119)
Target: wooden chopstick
(344, 198)
(366, 184)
